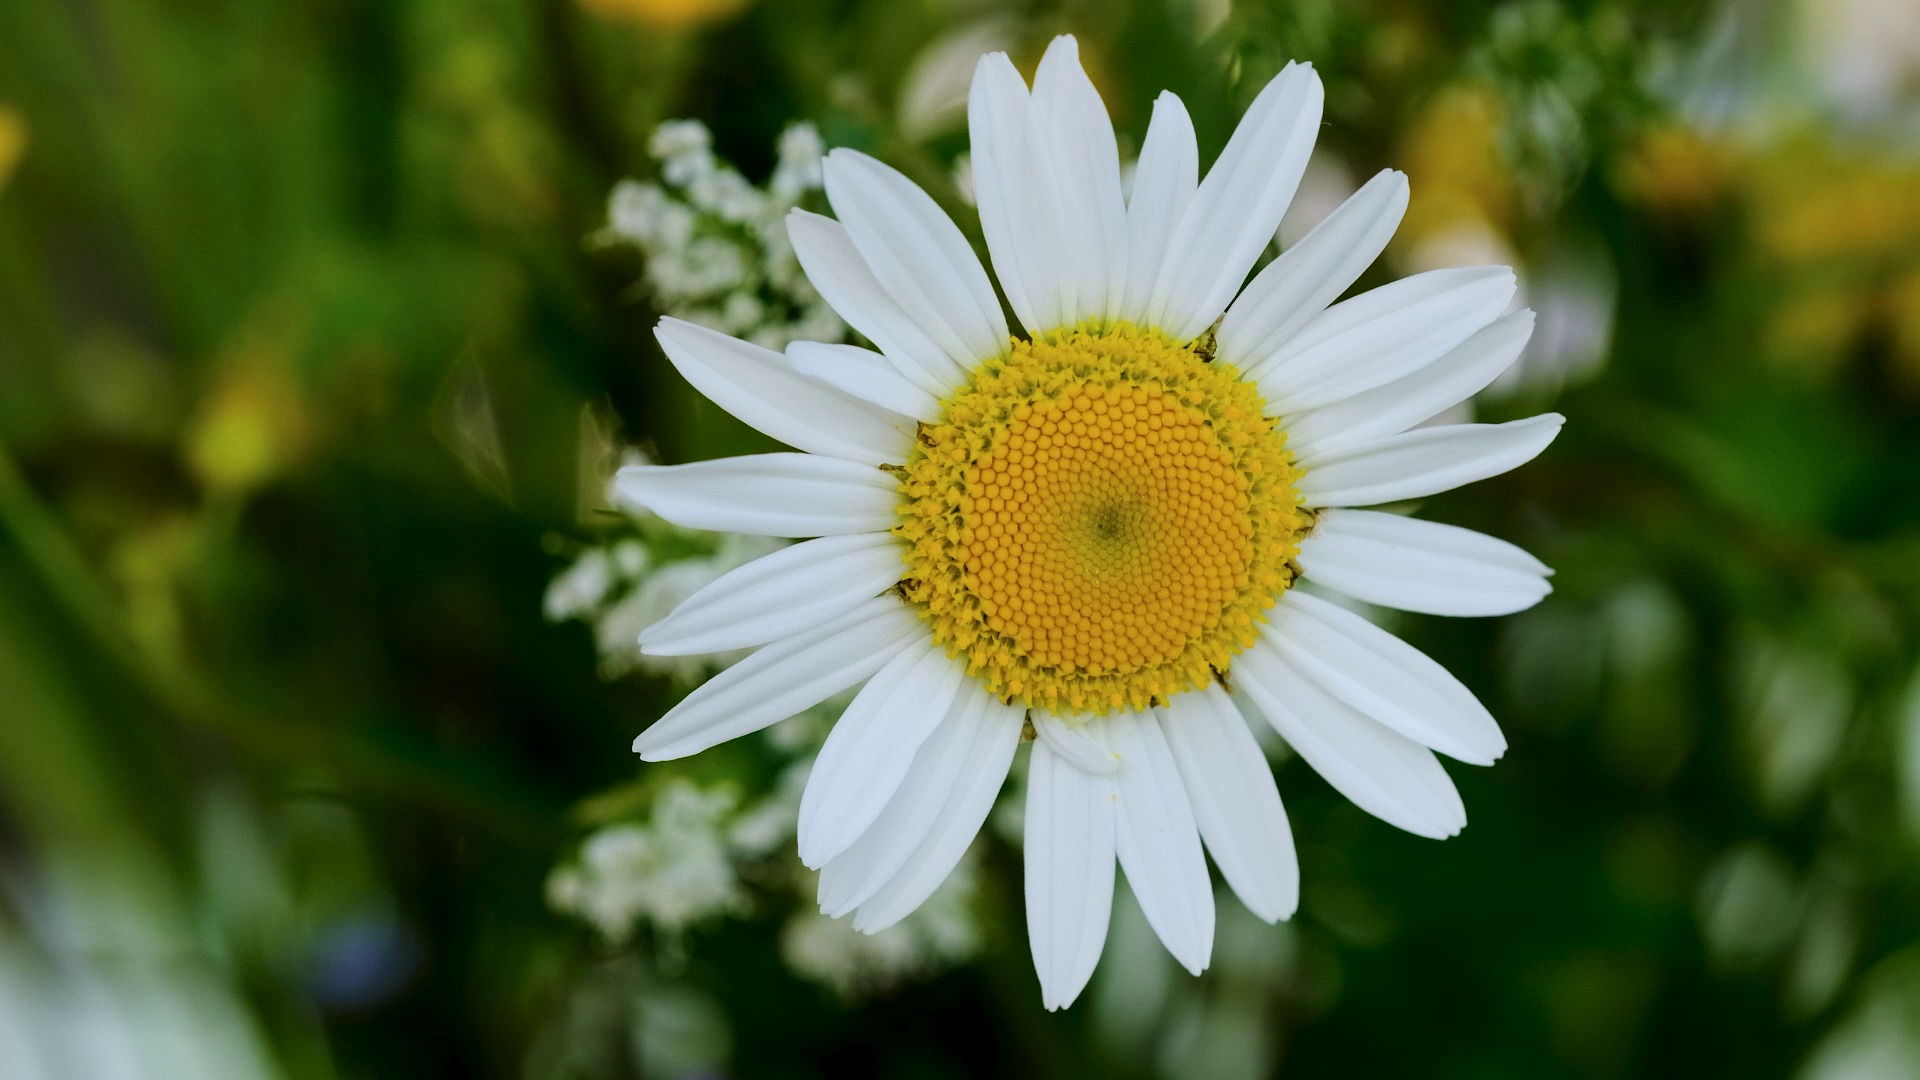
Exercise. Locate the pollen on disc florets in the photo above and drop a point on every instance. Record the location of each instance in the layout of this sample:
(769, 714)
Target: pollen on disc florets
(1099, 519)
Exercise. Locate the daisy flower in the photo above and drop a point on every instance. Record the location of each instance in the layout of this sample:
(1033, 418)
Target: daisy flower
(1079, 534)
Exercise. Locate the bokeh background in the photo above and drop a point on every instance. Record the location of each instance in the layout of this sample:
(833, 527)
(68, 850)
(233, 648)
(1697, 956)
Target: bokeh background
(322, 325)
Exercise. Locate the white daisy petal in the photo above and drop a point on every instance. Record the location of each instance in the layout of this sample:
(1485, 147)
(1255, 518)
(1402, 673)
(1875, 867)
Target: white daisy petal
(866, 375)
(1312, 273)
(1164, 180)
(1069, 856)
(1074, 743)
(1380, 336)
(919, 255)
(782, 679)
(1157, 841)
(1399, 405)
(840, 274)
(872, 746)
(1238, 206)
(1072, 122)
(976, 781)
(762, 389)
(1377, 674)
(1383, 772)
(1235, 801)
(1402, 562)
(765, 495)
(778, 595)
(936, 813)
(849, 878)
(1012, 188)
(1424, 461)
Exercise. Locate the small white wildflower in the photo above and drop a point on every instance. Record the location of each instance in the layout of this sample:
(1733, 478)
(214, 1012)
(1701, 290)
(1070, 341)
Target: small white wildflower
(709, 317)
(675, 138)
(617, 631)
(630, 558)
(716, 245)
(684, 149)
(780, 265)
(770, 823)
(643, 214)
(940, 934)
(671, 872)
(798, 169)
(566, 889)
(579, 588)
(963, 178)
(742, 312)
(688, 169)
(727, 194)
(712, 266)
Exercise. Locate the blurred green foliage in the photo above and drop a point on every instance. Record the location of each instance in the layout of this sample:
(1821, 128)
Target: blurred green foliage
(298, 325)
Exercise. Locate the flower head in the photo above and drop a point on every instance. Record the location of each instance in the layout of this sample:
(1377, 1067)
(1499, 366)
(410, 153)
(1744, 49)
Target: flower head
(1081, 532)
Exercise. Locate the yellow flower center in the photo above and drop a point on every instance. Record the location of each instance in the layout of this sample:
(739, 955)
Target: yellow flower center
(1099, 520)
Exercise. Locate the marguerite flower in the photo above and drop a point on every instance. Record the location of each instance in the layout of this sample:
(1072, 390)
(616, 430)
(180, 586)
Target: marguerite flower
(1083, 530)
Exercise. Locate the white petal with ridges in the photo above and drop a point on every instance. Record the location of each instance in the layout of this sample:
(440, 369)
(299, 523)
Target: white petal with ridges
(786, 677)
(764, 391)
(1424, 461)
(1164, 180)
(1156, 840)
(1381, 336)
(793, 495)
(840, 274)
(1016, 205)
(794, 589)
(871, 748)
(1389, 680)
(1311, 274)
(1235, 801)
(976, 781)
(1236, 209)
(849, 878)
(919, 255)
(1075, 744)
(1072, 124)
(866, 375)
(1383, 772)
(1069, 872)
(940, 804)
(1421, 395)
(1413, 565)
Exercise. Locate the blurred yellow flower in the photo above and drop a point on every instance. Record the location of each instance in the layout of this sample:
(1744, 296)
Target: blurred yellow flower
(1841, 228)
(254, 425)
(1812, 203)
(665, 14)
(1452, 147)
(1813, 330)
(1674, 169)
(1903, 318)
(13, 141)
(148, 565)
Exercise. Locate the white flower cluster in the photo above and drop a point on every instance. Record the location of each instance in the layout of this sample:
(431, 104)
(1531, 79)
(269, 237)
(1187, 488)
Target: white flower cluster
(689, 861)
(629, 583)
(716, 246)
(673, 871)
(940, 933)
